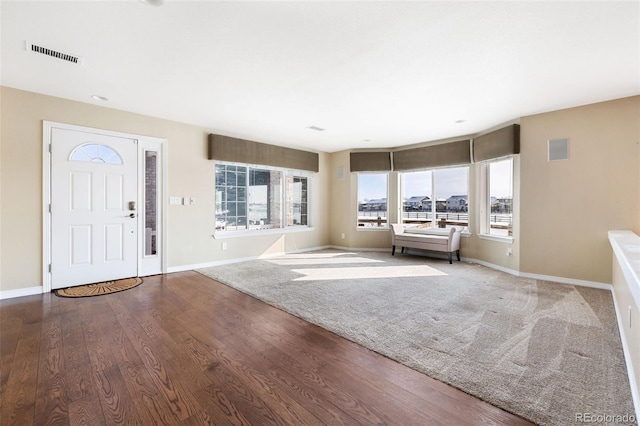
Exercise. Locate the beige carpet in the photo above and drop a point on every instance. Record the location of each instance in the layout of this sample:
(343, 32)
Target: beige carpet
(547, 352)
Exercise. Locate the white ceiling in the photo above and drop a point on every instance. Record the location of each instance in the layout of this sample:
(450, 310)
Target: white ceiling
(373, 74)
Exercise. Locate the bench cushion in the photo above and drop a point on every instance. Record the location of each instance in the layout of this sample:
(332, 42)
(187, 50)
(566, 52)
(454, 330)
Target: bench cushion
(432, 239)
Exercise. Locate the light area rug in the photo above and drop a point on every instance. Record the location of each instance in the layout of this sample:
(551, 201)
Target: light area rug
(545, 351)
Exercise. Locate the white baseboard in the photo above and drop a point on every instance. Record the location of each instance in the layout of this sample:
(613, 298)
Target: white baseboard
(380, 249)
(29, 291)
(554, 279)
(492, 266)
(183, 268)
(571, 281)
(551, 278)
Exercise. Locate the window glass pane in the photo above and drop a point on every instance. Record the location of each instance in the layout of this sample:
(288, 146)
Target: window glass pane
(264, 199)
(220, 175)
(232, 210)
(451, 197)
(296, 210)
(241, 177)
(232, 193)
(416, 198)
(231, 177)
(79, 155)
(220, 197)
(242, 193)
(501, 197)
(372, 200)
(103, 151)
(95, 153)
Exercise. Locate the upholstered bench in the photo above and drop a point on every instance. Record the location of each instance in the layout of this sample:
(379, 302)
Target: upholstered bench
(424, 239)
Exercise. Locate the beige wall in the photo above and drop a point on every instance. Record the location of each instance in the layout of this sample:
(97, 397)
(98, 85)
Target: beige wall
(567, 207)
(190, 175)
(563, 210)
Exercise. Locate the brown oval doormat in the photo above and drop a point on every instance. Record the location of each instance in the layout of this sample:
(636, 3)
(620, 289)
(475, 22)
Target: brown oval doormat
(98, 289)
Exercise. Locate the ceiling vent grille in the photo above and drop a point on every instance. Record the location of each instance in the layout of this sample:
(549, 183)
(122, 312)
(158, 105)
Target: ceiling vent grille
(67, 57)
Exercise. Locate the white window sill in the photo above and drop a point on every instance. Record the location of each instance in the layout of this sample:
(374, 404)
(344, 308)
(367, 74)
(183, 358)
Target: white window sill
(220, 235)
(372, 228)
(497, 238)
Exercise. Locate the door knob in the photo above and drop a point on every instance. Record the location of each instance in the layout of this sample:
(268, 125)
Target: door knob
(132, 215)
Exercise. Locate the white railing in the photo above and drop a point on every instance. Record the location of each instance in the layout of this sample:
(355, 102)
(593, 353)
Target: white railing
(497, 219)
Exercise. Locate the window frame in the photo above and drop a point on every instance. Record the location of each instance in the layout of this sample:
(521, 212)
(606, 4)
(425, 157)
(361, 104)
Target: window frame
(99, 158)
(284, 228)
(294, 174)
(386, 226)
(434, 200)
(484, 194)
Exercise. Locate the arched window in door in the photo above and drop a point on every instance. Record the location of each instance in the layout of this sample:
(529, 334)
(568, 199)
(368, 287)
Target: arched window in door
(95, 153)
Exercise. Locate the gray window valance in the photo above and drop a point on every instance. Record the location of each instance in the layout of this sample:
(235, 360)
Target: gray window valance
(505, 141)
(225, 148)
(370, 161)
(445, 154)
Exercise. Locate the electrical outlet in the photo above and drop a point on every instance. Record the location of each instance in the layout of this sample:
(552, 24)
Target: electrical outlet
(342, 235)
(224, 245)
(509, 252)
(175, 201)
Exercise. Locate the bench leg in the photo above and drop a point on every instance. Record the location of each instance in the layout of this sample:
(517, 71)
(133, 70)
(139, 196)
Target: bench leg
(402, 251)
(450, 262)
(393, 250)
(458, 254)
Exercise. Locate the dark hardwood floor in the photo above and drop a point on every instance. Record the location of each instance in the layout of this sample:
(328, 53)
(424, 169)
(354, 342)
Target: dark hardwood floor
(182, 349)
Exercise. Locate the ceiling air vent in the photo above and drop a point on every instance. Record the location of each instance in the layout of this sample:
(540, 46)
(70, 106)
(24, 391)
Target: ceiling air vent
(34, 48)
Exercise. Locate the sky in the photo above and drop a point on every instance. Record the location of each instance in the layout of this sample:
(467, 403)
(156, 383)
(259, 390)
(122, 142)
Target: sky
(449, 181)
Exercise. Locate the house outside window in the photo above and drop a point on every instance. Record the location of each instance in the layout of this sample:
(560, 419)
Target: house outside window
(448, 207)
(259, 198)
(372, 201)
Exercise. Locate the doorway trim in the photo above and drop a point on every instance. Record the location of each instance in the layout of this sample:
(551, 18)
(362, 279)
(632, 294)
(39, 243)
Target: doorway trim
(144, 142)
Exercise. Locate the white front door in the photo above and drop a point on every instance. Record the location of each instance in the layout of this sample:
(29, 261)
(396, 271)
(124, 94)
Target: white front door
(94, 203)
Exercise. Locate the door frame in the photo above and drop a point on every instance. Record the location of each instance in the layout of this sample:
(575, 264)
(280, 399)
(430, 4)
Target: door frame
(144, 143)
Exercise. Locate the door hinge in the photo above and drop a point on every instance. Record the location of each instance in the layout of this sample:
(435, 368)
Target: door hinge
(49, 147)
(49, 208)
(49, 268)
